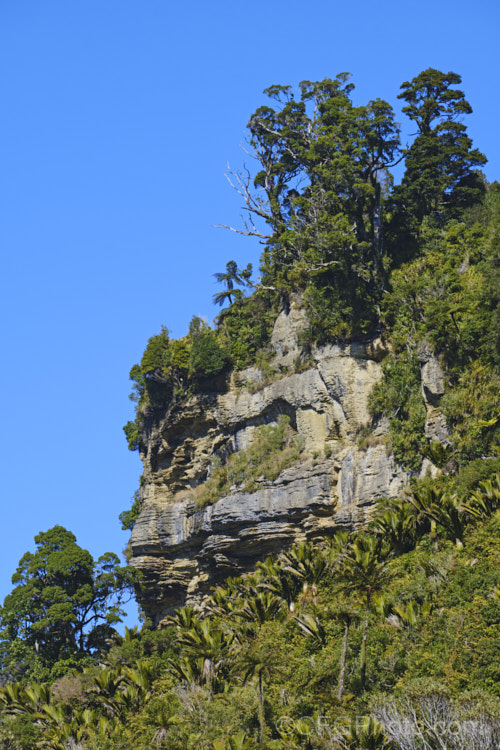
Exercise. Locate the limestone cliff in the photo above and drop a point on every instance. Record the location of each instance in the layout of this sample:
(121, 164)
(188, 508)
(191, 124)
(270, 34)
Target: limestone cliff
(183, 550)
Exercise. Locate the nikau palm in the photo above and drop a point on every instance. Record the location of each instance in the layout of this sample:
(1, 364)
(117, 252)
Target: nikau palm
(233, 275)
(364, 567)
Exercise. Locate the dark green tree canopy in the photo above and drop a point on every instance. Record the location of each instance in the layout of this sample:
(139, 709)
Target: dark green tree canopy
(441, 175)
(63, 606)
(319, 188)
(429, 98)
(318, 194)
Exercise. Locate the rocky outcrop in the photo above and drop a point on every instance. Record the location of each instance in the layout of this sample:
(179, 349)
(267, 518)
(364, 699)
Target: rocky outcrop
(432, 378)
(184, 550)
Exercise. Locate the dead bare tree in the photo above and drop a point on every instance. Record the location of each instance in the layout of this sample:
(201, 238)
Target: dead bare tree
(433, 722)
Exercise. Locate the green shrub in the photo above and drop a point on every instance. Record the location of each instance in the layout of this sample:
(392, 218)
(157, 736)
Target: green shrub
(157, 354)
(246, 326)
(472, 410)
(169, 370)
(207, 357)
(339, 307)
(397, 396)
(273, 449)
(132, 433)
(129, 517)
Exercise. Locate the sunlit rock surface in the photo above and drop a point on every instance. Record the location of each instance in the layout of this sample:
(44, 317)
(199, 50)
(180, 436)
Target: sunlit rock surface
(184, 551)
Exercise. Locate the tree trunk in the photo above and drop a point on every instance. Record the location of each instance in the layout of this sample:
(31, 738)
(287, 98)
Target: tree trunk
(262, 718)
(377, 221)
(80, 640)
(343, 660)
(362, 658)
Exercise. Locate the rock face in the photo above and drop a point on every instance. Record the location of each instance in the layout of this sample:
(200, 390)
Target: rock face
(432, 377)
(183, 550)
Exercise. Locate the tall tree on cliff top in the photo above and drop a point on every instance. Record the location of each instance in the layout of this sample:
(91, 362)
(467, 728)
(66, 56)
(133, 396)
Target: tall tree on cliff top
(323, 163)
(319, 187)
(441, 176)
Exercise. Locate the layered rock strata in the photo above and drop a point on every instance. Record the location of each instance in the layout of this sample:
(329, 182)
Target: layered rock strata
(183, 550)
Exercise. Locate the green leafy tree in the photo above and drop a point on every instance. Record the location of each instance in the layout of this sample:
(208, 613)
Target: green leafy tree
(398, 397)
(168, 370)
(441, 166)
(63, 606)
(246, 327)
(259, 607)
(484, 501)
(277, 579)
(442, 509)
(365, 734)
(132, 432)
(319, 192)
(396, 522)
(205, 649)
(207, 357)
(157, 353)
(154, 380)
(306, 563)
(340, 151)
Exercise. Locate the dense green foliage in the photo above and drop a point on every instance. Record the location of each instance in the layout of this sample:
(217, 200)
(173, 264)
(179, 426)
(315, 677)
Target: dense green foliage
(245, 327)
(320, 191)
(173, 368)
(344, 644)
(398, 396)
(441, 177)
(447, 298)
(63, 607)
(129, 517)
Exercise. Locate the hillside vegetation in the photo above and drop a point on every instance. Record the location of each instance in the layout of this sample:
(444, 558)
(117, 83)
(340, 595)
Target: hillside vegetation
(387, 638)
(372, 640)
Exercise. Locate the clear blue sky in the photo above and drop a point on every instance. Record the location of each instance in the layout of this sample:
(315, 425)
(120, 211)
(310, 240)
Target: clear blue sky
(118, 118)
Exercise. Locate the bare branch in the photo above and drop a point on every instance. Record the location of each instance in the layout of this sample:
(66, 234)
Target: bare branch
(241, 184)
(245, 232)
(252, 154)
(262, 288)
(320, 266)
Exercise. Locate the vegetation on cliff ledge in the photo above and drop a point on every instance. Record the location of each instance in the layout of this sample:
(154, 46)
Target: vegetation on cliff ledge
(273, 449)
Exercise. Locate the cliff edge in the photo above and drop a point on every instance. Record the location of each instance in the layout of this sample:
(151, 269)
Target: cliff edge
(184, 547)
